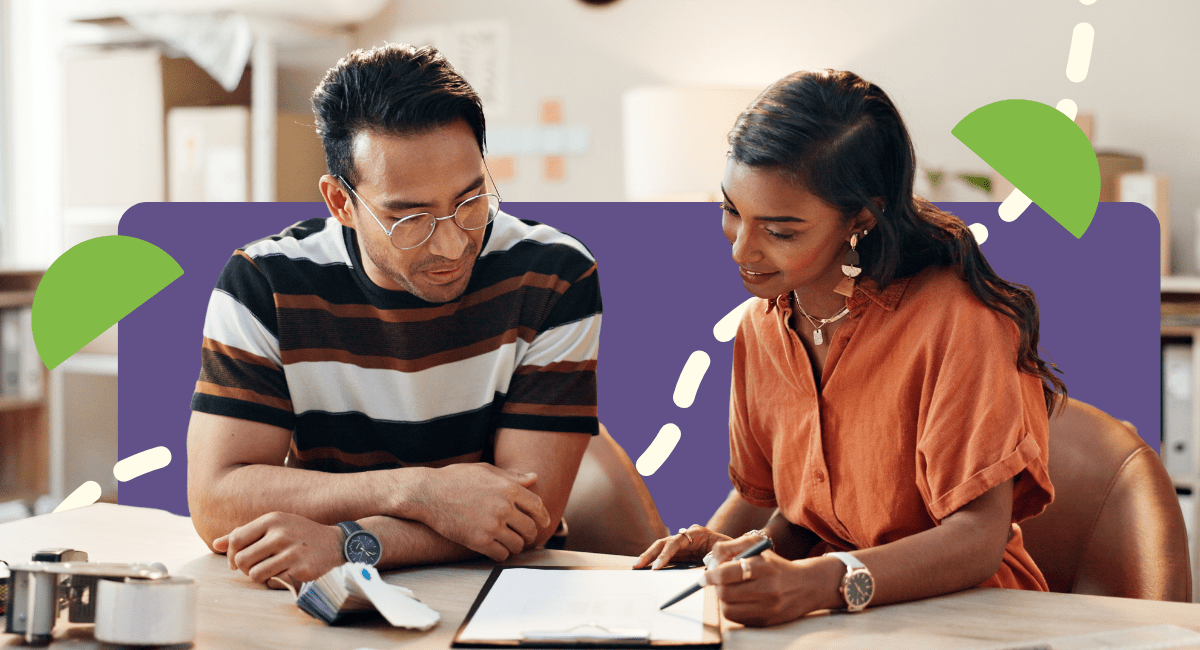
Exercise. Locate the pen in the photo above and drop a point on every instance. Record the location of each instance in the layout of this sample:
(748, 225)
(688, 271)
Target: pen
(758, 548)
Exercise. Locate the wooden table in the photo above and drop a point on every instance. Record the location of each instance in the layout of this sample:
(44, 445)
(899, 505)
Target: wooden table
(235, 613)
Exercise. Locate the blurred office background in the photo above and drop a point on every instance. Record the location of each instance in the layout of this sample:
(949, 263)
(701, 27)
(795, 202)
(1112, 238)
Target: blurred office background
(108, 103)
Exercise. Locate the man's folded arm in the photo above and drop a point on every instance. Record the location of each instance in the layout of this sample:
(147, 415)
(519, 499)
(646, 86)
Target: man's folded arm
(554, 456)
(236, 474)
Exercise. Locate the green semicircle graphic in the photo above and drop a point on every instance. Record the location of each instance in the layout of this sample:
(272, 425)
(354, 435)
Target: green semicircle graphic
(1042, 152)
(92, 286)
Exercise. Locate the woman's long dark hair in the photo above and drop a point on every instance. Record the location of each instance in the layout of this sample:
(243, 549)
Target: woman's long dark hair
(842, 138)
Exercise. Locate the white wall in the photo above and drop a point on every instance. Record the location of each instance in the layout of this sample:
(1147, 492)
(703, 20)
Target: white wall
(940, 59)
(33, 115)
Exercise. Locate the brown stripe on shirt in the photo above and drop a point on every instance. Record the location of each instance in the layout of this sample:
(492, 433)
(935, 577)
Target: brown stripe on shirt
(241, 253)
(300, 458)
(217, 390)
(552, 410)
(588, 365)
(572, 388)
(409, 365)
(529, 280)
(238, 354)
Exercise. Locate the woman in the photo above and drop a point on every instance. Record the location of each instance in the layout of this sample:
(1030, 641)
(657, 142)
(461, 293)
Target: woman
(888, 403)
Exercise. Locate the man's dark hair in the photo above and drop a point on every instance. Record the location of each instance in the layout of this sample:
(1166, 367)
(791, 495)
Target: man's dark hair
(393, 89)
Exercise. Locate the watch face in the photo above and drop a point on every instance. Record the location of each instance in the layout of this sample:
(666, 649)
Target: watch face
(363, 547)
(859, 588)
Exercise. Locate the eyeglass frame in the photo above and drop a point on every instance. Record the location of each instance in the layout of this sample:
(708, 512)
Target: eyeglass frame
(452, 215)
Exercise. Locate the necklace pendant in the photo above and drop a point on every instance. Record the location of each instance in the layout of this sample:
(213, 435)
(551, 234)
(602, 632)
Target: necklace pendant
(818, 339)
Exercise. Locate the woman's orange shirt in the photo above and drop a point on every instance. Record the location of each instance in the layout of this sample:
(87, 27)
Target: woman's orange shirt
(920, 410)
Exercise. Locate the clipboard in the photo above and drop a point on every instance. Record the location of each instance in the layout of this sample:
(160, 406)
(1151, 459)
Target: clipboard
(589, 635)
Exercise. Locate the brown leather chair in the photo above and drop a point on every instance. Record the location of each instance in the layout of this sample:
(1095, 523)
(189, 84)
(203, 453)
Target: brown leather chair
(610, 510)
(1115, 527)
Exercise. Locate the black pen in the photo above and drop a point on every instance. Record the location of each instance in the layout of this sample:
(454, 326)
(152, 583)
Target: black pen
(758, 548)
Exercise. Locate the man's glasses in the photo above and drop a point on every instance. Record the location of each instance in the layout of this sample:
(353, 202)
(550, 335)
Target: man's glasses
(416, 229)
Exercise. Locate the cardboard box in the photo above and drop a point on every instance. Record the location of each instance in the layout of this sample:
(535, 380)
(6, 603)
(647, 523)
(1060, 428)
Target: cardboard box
(114, 124)
(299, 158)
(1154, 192)
(208, 153)
(1086, 124)
(1112, 165)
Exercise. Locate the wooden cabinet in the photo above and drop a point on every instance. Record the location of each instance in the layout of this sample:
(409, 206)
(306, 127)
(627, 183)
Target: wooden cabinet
(1181, 403)
(24, 421)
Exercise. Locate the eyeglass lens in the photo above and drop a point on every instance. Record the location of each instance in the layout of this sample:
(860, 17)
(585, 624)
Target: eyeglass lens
(472, 214)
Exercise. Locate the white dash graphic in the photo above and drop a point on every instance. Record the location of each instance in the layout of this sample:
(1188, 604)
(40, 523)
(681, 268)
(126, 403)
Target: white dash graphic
(980, 231)
(658, 451)
(84, 495)
(726, 328)
(1068, 107)
(689, 378)
(1081, 52)
(142, 463)
(1014, 205)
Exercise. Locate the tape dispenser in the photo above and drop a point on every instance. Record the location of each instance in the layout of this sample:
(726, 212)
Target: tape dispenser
(132, 604)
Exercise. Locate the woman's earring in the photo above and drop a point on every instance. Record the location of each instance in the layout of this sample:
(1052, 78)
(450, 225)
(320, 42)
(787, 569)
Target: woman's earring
(850, 268)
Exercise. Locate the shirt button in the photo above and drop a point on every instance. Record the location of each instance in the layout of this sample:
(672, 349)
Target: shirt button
(820, 476)
(858, 294)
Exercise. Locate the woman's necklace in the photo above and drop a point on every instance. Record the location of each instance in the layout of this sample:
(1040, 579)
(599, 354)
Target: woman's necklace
(818, 323)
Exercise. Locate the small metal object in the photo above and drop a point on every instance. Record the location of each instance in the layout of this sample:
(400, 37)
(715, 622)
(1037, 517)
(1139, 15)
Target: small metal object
(40, 590)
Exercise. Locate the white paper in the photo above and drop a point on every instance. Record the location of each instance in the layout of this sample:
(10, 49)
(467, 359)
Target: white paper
(559, 601)
(397, 604)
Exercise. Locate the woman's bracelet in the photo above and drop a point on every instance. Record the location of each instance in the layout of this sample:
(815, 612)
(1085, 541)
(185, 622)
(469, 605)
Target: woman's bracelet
(760, 533)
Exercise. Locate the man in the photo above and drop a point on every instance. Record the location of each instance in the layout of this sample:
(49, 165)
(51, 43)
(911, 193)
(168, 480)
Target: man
(424, 362)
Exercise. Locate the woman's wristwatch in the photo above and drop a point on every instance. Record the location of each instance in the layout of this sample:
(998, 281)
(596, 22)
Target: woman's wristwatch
(857, 585)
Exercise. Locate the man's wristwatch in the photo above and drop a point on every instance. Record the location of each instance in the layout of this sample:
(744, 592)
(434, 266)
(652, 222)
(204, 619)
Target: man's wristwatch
(857, 585)
(359, 545)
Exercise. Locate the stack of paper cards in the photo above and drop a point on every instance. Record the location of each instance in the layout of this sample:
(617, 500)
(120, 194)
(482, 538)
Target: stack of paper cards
(353, 589)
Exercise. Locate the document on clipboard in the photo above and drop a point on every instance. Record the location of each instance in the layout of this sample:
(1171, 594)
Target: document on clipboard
(564, 606)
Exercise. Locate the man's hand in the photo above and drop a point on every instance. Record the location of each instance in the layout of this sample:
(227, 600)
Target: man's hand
(289, 547)
(482, 507)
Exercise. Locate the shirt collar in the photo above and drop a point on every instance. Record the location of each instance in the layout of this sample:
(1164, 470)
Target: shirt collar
(867, 289)
(864, 290)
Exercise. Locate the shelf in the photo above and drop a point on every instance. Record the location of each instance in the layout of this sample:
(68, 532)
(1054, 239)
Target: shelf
(1181, 284)
(1186, 480)
(85, 363)
(17, 494)
(16, 299)
(17, 403)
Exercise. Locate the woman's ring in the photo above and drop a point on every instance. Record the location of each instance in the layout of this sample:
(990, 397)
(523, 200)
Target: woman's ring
(683, 531)
(746, 574)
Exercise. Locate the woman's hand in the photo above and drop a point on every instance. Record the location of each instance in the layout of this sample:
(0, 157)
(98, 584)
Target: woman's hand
(769, 590)
(689, 545)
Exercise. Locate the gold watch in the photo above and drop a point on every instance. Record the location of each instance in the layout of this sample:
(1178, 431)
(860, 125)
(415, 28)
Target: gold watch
(857, 585)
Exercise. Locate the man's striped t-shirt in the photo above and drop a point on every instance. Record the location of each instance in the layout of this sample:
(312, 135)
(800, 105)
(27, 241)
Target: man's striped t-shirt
(298, 336)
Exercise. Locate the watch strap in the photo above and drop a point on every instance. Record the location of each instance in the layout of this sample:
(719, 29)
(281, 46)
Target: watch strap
(349, 528)
(850, 561)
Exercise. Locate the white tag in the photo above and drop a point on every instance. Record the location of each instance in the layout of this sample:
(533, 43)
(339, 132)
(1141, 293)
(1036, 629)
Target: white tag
(397, 604)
